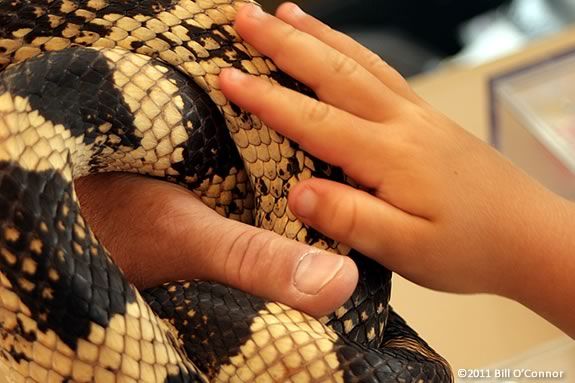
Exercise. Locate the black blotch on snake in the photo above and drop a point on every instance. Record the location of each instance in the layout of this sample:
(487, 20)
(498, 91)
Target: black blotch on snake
(409, 366)
(83, 287)
(220, 324)
(74, 88)
(209, 149)
(182, 376)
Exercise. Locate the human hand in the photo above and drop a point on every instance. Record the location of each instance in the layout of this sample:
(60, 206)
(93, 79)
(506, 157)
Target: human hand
(159, 232)
(446, 210)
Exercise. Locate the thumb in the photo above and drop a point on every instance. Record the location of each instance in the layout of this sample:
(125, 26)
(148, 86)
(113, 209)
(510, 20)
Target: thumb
(159, 232)
(265, 264)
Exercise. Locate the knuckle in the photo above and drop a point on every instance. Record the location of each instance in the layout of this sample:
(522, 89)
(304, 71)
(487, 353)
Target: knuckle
(245, 254)
(353, 217)
(344, 217)
(402, 137)
(385, 72)
(266, 90)
(325, 32)
(289, 38)
(342, 64)
(403, 114)
(315, 111)
(290, 33)
(374, 61)
(266, 86)
(420, 118)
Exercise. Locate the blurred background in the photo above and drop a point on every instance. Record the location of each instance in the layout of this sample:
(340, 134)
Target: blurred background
(416, 36)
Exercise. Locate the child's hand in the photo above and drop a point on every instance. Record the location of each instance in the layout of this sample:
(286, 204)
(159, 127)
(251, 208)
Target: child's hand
(447, 211)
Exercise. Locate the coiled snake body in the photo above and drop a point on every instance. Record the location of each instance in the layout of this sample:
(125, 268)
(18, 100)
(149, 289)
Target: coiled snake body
(106, 85)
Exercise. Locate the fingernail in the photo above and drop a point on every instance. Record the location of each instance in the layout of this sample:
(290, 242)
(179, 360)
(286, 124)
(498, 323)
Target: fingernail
(296, 10)
(306, 203)
(315, 270)
(255, 12)
(233, 74)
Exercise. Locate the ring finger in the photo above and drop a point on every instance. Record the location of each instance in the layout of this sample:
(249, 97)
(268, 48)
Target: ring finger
(293, 15)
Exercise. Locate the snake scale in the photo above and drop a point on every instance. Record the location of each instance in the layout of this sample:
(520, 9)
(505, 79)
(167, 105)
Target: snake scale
(91, 86)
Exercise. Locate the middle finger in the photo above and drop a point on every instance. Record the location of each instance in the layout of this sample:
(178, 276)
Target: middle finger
(336, 78)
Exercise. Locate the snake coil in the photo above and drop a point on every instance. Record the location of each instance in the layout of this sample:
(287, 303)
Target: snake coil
(92, 86)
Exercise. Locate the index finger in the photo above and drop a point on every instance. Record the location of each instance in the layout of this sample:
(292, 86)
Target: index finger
(328, 133)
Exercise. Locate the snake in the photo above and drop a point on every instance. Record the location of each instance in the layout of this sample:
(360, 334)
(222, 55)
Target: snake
(90, 86)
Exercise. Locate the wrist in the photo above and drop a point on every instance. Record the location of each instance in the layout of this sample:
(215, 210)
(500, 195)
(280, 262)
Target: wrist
(541, 261)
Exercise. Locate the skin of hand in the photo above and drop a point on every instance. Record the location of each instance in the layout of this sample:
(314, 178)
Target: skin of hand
(158, 232)
(445, 209)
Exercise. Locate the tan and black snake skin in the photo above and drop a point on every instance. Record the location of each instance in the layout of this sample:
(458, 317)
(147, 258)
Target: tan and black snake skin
(131, 85)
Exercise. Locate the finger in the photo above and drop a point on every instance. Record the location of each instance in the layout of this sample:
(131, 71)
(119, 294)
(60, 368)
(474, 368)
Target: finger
(265, 264)
(326, 132)
(293, 15)
(159, 232)
(336, 78)
(358, 219)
